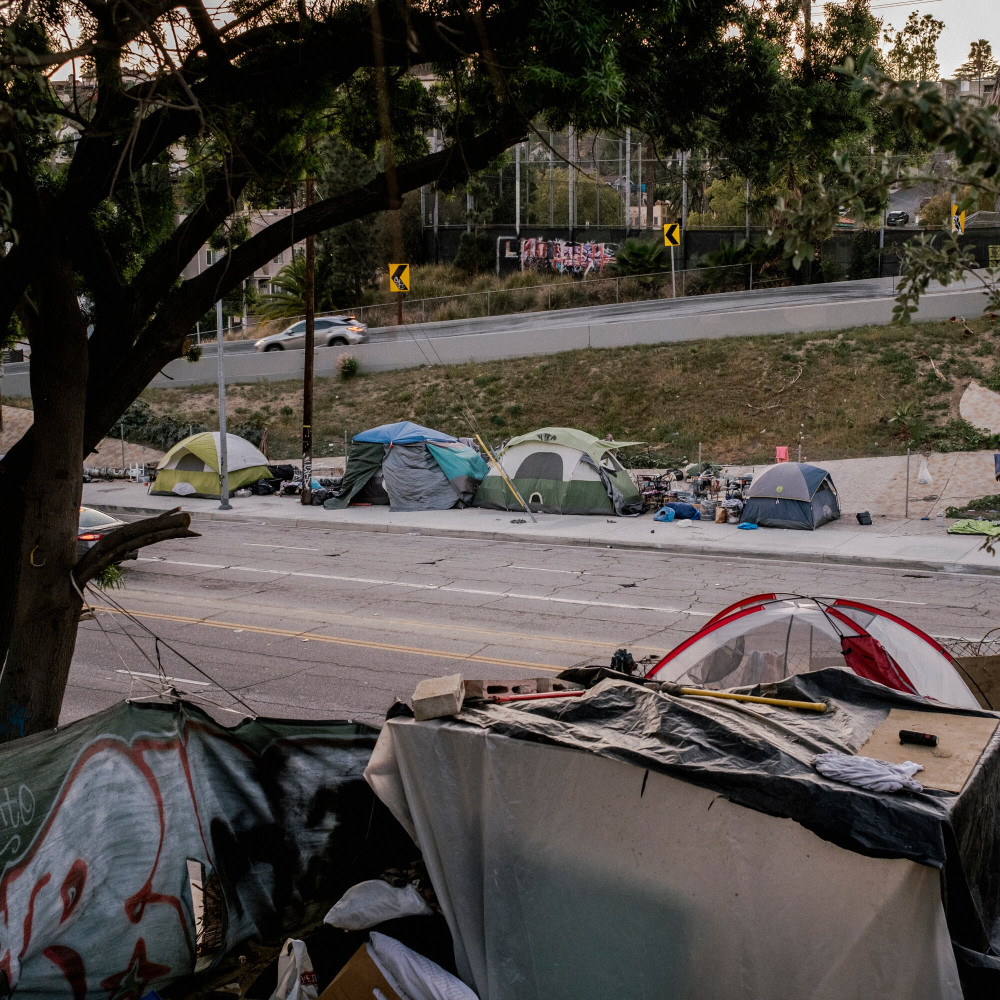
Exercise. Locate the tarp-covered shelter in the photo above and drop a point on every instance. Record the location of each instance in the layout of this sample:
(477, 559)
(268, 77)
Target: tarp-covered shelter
(791, 495)
(148, 843)
(409, 467)
(191, 467)
(630, 843)
(767, 637)
(560, 470)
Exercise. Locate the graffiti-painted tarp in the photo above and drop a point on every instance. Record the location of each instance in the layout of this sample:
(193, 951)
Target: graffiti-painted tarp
(147, 842)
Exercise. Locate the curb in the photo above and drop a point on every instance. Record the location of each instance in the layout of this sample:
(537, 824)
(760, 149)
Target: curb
(702, 551)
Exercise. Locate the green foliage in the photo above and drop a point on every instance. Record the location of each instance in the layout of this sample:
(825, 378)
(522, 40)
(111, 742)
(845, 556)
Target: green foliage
(594, 201)
(912, 53)
(141, 425)
(641, 257)
(476, 253)
(348, 367)
(980, 63)
(112, 577)
(989, 504)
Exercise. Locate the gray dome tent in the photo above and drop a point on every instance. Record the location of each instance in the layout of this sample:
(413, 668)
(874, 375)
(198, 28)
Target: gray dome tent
(792, 495)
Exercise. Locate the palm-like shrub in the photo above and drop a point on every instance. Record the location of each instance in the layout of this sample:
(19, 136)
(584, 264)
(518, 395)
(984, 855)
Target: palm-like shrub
(640, 257)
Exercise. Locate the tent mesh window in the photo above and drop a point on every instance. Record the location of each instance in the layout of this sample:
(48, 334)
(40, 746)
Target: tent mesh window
(190, 462)
(541, 465)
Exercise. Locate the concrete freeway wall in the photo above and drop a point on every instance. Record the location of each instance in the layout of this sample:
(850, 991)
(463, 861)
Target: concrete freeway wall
(550, 336)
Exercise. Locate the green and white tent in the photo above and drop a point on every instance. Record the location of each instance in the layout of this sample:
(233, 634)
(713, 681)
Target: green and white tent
(191, 467)
(559, 470)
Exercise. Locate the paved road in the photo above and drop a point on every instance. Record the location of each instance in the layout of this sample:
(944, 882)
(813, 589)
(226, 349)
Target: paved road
(312, 623)
(729, 304)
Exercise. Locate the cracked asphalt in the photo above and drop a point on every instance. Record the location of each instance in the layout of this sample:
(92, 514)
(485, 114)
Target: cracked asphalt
(304, 622)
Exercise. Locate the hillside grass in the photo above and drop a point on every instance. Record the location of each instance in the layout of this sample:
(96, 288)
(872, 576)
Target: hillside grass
(865, 391)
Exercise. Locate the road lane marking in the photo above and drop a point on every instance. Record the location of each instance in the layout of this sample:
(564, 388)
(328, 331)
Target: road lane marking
(169, 680)
(361, 621)
(338, 640)
(267, 545)
(499, 595)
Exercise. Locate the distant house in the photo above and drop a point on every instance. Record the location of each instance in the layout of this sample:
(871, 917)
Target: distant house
(264, 276)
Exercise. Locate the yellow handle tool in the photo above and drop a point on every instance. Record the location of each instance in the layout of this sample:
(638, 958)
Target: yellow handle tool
(808, 706)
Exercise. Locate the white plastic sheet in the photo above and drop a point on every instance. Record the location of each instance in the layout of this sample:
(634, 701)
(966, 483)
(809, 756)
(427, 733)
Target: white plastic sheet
(565, 874)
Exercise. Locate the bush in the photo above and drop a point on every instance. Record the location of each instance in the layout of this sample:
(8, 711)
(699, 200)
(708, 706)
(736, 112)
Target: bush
(475, 254)
(348, 366)
(640, 257)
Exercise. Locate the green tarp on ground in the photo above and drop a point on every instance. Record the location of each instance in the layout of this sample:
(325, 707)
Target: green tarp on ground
(971, 526)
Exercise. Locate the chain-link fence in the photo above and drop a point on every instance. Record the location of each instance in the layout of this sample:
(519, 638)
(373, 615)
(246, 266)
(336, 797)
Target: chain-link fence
(887, 483)
(568, 293)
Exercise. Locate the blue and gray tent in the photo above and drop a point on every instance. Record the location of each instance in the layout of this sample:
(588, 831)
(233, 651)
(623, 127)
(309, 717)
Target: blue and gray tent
(409, 467)
(792, 495)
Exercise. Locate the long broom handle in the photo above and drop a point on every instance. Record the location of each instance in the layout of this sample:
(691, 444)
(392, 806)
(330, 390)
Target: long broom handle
(809, 706)
(503, 475)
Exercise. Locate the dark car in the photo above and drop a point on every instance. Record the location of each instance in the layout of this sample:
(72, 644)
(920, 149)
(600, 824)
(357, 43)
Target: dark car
(94, 525)
(897, 218)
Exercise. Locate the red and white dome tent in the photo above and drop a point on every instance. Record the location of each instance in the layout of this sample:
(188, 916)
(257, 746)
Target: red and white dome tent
(768, 637)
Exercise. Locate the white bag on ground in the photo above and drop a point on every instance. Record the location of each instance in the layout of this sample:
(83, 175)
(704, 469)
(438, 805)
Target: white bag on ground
(924, 475)
(373, 902)
(296, 978)
(413, 976)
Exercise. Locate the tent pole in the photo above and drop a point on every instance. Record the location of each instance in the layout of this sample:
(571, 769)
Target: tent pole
(499, 468)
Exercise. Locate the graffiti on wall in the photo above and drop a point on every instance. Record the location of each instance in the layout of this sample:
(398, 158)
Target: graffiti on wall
(565, 257)
(100, 824)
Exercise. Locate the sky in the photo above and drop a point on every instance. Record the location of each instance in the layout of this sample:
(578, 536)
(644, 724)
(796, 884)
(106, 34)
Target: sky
(965, 21)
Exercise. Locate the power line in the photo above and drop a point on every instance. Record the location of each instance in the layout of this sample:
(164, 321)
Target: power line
(902, 3)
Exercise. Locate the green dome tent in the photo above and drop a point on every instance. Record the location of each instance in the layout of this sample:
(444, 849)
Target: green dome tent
(191, 467)
(560, 470)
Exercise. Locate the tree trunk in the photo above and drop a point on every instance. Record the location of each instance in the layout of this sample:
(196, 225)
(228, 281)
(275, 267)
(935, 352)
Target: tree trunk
(47, 606)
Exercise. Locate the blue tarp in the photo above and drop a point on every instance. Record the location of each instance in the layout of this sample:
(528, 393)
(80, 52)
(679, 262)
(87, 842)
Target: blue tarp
(458, 461)
(401, 432)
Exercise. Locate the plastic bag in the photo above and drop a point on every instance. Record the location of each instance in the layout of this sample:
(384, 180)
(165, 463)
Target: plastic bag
(924, 475)
(412, 975)
(664, 514)
(296, 978)
(373, 902)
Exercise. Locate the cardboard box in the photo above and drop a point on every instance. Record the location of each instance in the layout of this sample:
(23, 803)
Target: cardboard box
(358, 980)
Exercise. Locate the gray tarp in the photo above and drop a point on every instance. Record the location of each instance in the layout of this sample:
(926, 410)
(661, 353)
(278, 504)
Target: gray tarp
(627, 843)
(415, 481)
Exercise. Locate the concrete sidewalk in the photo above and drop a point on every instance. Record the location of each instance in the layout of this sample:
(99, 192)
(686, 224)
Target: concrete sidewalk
(890, 543)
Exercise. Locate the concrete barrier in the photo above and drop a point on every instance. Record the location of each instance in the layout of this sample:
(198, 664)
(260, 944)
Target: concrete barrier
(552, 334)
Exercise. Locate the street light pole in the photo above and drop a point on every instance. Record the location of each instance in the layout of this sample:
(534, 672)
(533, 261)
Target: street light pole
(307, 378)
(223, 452)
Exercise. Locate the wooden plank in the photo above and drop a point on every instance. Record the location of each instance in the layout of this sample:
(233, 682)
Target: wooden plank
(961, 742)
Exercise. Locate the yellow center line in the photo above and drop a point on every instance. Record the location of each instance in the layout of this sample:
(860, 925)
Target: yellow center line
(328, 617)
(337, 640)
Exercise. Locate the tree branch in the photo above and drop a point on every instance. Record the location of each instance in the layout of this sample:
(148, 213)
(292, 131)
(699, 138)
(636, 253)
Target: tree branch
(117, 544)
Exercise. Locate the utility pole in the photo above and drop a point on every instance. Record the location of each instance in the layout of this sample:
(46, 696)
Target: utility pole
(223, 449)
(307, 377)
